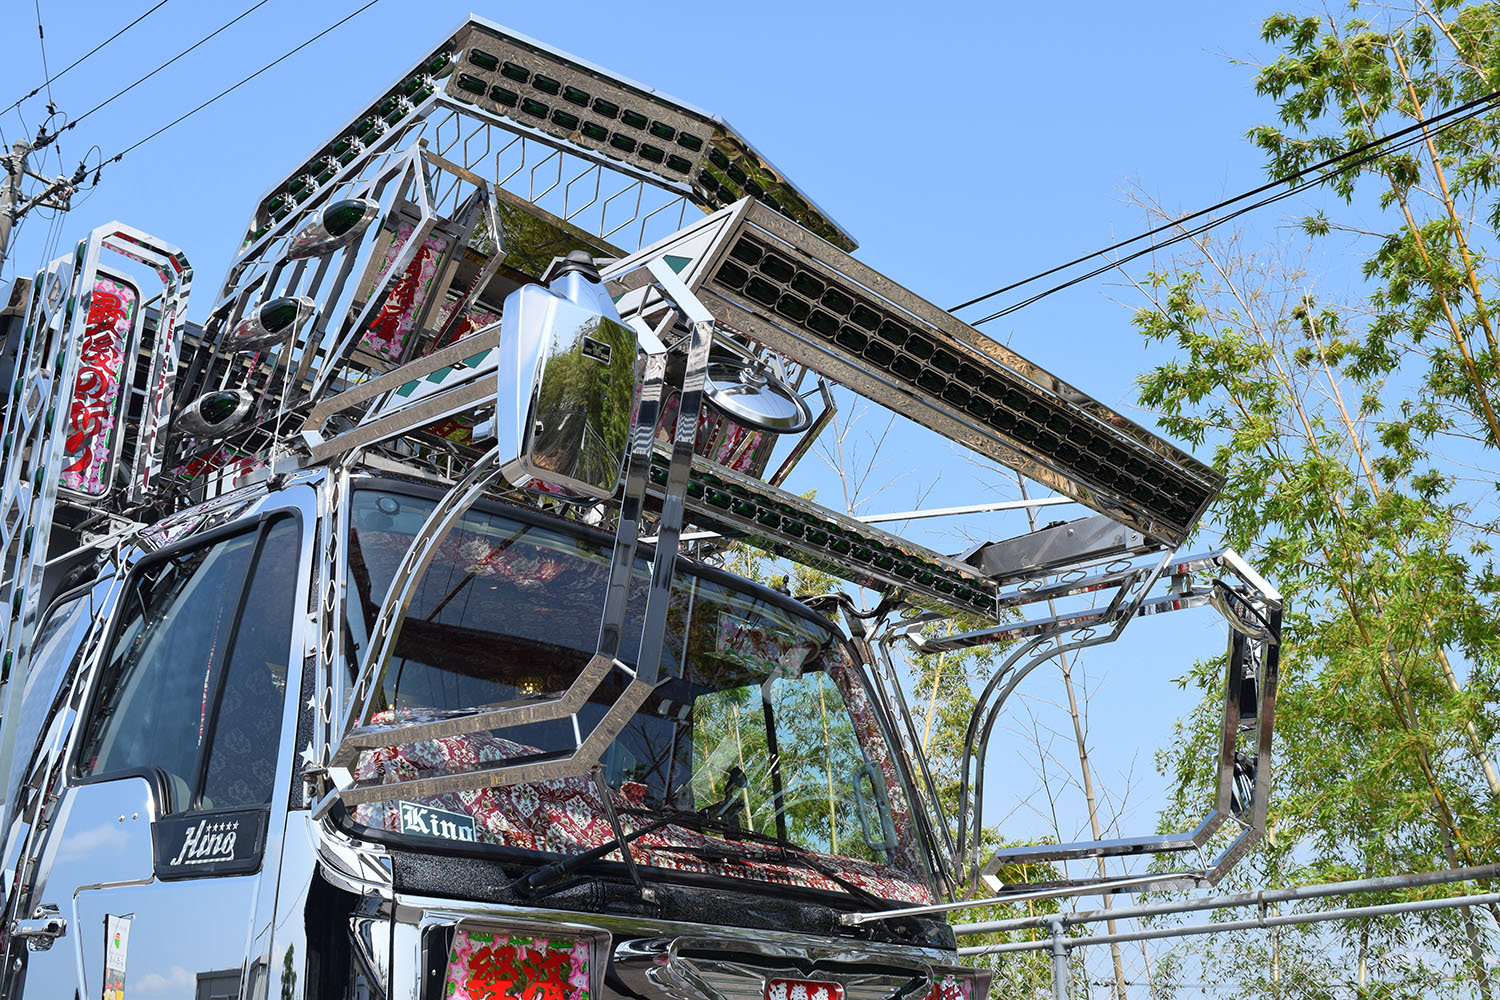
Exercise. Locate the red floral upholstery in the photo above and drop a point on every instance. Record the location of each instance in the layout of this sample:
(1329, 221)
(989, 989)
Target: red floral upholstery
(565, 816)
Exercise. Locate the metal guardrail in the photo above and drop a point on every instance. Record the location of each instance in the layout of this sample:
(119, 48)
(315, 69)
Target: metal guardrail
(1059, 944)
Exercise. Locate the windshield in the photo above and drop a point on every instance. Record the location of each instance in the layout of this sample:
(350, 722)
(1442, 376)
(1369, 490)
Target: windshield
(761, 720)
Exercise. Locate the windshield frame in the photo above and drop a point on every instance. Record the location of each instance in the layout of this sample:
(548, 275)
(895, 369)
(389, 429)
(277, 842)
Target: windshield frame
(914, 835)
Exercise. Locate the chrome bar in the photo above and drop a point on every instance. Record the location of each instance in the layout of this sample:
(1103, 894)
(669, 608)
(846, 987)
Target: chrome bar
(1132, 884)
(973, 508)
(685, 436)
(1279, 920)
(1384, 883)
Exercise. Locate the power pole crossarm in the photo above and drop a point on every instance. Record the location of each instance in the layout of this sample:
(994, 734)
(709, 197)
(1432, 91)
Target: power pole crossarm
(59, 186)
(59, 189)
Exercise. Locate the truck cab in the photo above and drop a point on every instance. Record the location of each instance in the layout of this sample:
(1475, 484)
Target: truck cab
(378, 638)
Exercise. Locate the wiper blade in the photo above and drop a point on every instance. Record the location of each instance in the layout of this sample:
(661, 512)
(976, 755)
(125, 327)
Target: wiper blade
(709, 818)
(536, 881)
(787, 852)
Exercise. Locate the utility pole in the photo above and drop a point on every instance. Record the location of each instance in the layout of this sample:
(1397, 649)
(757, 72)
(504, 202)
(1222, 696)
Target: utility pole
(10, 194)
(56, 194)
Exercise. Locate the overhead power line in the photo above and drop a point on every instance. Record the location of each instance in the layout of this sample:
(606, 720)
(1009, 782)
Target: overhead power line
(59, 74)
(42, 41)
(120, 93)
(230, 89)
(1301, 180)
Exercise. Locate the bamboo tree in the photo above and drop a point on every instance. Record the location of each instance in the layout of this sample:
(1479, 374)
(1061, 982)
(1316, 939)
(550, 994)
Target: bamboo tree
(1065, 664)
(1359, 436)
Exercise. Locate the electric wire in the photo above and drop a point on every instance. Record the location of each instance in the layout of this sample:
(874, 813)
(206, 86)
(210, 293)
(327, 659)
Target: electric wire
(230, 89)
(41, 39)
(120, 93)
(49, 81)
(25, 128)
(1345, 161)
(1187, 234)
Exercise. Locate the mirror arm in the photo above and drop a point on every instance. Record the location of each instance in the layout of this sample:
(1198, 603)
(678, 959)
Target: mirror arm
(685, 437)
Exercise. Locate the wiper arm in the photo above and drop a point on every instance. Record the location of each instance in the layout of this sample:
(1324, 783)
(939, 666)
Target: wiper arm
(534, 882)
(788, 852)
(708, 818)
(547, 875)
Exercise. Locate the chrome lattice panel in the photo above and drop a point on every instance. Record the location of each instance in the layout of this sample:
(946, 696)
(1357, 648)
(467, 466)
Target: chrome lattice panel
(776, 284)
(574, 105)
(888, 344)
(592, 109)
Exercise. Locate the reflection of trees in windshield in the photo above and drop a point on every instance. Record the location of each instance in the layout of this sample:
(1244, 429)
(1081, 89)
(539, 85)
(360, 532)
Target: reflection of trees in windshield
(802, 791)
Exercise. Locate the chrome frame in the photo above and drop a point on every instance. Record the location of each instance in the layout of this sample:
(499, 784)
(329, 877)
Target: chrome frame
(394, 113)
(359, 734)
(426, 139)
(1046, 638)
(32, 459)
(930, 393)
(49, 777)
(36, 427)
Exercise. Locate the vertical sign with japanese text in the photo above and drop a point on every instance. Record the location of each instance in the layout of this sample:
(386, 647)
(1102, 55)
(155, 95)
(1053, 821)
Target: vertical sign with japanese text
(116, 945)
(95, 409)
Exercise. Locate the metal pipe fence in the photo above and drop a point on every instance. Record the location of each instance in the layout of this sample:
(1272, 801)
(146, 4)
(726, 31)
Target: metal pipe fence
(1261, 898)
(1261, 920)
(1060, 945)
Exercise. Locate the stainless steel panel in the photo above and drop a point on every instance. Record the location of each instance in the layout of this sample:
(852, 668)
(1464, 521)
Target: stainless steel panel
(640, 943)
(98, 853)
(98, 861)
(599, 112)
(823, 309)
(777, 284)
(1075, 543)
(565, 386)
(31, 453)
(701, 155)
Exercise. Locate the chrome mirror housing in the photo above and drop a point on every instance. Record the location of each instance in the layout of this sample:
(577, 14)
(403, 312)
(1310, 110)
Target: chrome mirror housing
(566, 383)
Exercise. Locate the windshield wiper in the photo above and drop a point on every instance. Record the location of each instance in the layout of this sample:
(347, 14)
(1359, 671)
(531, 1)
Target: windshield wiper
(709, 818)
(787, 852)
(536, 881)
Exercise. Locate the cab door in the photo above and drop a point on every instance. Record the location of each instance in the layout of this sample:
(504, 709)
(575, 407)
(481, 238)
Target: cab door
(149, 874)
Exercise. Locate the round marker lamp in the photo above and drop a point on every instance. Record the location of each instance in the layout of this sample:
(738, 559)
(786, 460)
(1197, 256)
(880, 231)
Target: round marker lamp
(336, 224)
(215, 414)
(271, 322)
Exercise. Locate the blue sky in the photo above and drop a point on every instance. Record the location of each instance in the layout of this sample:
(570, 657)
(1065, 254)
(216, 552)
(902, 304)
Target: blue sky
(964, 145)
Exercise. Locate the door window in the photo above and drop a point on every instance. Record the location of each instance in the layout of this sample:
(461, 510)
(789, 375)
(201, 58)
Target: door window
(56, 645)
(193, 685)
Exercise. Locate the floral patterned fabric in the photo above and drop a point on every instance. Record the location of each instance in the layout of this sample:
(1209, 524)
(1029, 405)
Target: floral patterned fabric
(719, 439)
(565, 816)
(96, 391)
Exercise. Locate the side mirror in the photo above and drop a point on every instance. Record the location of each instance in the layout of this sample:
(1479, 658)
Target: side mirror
(566, 384)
